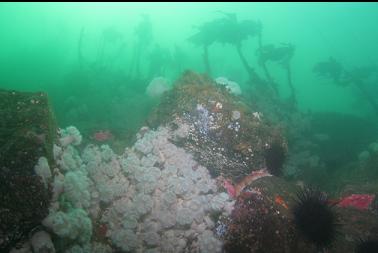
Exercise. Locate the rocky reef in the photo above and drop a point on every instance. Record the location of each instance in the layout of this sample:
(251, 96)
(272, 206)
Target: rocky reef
(203, 176)
(224, 135)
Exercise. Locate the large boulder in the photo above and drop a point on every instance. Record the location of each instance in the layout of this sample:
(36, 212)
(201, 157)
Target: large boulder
(223, 133)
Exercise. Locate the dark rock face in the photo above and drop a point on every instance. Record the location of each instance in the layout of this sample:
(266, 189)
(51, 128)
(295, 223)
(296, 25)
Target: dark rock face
(27, 132)
(257, 225)
(223, 133)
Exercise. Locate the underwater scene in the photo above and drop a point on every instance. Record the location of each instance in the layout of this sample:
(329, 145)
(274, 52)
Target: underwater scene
(188, 127)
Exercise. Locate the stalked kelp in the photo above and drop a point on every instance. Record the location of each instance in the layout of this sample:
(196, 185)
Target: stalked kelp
(330, 68)
(234, 32)
(282, 55)
(110, 48)
(363, 78)
(227, 30)
(143, 34)
(206, 36)
(102, 75)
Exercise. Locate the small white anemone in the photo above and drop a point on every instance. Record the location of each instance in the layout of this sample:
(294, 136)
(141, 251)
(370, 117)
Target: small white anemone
(157, 87)
(70, 135)
(231, 86)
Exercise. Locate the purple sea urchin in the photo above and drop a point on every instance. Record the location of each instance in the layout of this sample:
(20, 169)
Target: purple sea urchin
(315, 218)
(274, 158)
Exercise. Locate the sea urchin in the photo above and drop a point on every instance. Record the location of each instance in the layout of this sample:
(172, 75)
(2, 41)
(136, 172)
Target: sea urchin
(275, 157)
(315, 218)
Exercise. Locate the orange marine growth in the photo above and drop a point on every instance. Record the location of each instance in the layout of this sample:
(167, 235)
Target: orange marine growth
(280, 201)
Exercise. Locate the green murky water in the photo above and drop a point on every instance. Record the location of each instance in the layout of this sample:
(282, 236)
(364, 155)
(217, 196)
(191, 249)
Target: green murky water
(309, 68)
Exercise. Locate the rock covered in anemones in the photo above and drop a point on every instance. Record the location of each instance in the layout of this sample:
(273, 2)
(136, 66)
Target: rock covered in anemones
(68, 158)
(42, 169)
(70, 135)
(94, 247)
(153, 198)
(209, 243)
(74, 224)
(76, 189)
(169, 202)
